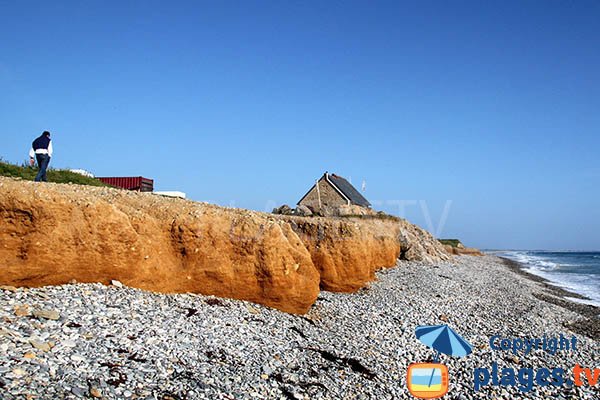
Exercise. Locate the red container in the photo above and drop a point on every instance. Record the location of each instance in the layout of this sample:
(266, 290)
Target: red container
(138, 183)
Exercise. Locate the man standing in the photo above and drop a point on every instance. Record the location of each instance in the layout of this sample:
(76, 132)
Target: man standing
(41, 148)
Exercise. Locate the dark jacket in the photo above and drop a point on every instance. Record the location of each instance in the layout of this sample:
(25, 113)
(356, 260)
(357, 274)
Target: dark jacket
(41, 143)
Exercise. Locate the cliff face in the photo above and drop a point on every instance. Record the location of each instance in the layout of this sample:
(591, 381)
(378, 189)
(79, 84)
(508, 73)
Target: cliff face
(347, 252)
(51, 234)
(420, 245)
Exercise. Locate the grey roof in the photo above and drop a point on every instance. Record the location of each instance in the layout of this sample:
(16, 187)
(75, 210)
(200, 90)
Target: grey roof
(349, 191)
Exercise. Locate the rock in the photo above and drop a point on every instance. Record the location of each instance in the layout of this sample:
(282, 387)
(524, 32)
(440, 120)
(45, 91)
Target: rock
(29, 355)
(283, 210)
(303, 211)
(116, 283)
(38, 344)
(77, 358)
(46, 314)
(419, 245)
(8, 333)
(515, 359)
(8, 288)
(444, 318)
(22, 310)
(95, 392)
(252, 310)
(267, 370)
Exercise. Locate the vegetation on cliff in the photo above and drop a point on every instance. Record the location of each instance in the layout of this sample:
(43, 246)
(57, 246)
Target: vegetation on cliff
(452, 242)
(54, 175)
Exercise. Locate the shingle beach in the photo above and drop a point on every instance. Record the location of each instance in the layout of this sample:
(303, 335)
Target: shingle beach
(115, 342)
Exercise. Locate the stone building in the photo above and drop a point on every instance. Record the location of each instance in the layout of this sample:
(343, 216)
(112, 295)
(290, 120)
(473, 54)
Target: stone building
(332, 193)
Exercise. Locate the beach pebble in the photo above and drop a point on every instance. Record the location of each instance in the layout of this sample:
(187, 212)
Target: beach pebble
(22, 310)
(43, 346)
(46, 314)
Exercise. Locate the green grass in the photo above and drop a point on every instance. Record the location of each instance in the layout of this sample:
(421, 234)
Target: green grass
(54, 175)
(450, 242)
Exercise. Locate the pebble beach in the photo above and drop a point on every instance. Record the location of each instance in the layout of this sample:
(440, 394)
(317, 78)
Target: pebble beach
(115, 342)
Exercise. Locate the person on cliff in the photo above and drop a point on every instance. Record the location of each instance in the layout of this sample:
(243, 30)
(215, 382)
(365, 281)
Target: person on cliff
(41, 148)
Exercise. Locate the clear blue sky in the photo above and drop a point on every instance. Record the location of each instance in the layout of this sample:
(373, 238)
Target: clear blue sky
(495, 108)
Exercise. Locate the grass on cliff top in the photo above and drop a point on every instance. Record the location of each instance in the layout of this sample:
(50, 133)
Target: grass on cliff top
(380, 215)
(54, 175)
(450, 242)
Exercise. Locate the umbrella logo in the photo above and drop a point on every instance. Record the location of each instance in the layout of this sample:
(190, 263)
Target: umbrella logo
(430, 380)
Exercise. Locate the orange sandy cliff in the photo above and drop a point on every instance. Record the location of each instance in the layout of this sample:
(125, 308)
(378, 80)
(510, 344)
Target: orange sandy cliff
(347, 252)
(53, 233)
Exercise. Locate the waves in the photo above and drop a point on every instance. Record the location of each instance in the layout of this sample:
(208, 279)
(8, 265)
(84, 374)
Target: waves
(573, 271)
(533, 262)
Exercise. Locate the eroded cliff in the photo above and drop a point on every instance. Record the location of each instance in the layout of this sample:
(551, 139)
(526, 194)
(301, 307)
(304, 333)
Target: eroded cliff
(347, 251)
(51, 234)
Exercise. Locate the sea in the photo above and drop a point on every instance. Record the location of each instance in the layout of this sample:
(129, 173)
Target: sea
(578, 272)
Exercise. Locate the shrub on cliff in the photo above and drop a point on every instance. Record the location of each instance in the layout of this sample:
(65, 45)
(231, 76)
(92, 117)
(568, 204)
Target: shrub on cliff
(54, 175)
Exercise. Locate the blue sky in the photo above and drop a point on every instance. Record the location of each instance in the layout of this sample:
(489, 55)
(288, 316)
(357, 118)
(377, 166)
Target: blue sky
(488, 112)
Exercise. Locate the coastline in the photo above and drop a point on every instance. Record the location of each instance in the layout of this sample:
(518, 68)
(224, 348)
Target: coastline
(128, 343)
(589, 326)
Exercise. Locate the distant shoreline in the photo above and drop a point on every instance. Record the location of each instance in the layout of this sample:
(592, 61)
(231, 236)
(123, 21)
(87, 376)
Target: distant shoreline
(560, 297)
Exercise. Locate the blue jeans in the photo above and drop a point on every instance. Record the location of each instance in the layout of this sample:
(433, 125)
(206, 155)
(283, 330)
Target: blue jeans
(42, 160)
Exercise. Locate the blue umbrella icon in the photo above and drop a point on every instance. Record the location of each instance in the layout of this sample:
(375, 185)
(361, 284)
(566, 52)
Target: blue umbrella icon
(443, 339)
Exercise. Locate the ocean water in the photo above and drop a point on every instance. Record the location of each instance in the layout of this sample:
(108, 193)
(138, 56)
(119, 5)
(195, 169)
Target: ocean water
(577, 272)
